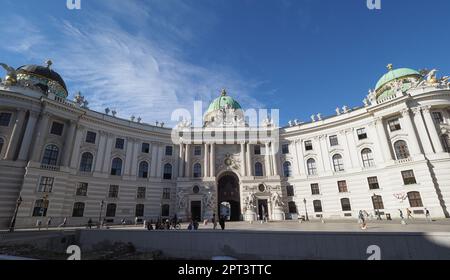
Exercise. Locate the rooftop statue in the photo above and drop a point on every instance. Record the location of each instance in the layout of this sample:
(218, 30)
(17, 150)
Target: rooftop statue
(11, 74)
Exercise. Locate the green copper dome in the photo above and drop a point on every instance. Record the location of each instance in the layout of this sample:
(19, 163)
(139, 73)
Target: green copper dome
(395, 74)
(224, 101)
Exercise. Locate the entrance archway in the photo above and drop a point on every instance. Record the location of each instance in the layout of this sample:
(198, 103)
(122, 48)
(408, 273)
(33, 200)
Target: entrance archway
(228, 192)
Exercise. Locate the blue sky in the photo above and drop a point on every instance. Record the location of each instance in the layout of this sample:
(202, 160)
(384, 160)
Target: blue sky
(148, 58)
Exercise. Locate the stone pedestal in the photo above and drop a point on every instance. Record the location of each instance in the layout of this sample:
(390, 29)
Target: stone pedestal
(278, 214)
(250, 216)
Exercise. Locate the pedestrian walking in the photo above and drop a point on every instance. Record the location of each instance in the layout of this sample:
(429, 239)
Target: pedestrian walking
(427, 215)
(49, 222)
(403, 222)
(222, 222)
(38, 224)
(64, 223)
(362, 220)
(214, 221)
(408, 214)
(89, 223)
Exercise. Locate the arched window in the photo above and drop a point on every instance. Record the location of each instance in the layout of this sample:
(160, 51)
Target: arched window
(78, 209)
(111, 210)
(367, 158)
(258, 169)
(345, 204)
(1, 144)
(50, 155)
(312, 168)
(139, 210)
(338, 163)
(292, 207)
(414, 199)
(287, 169)
(445, 143)
(165, 210)
(86, 162)
(116, 167)
(40, 208)
(197, 170)
(167, 171)
(401, 149)
(143, 169)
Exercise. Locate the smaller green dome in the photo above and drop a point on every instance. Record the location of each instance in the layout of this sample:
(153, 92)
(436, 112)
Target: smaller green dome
(224, 101)
(395, 74)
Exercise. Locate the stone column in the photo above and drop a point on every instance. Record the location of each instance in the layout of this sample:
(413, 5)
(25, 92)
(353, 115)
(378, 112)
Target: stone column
(300, 157)
(187, 171)
(382, 137)
(206, 160)
(249, 159)
(107, 159)
(68, 143)
(267, 159)
(347, 156)
(213, 159)
(76, 147)
(432, 130)
(134, 158)
(40, 135)
(128, 156)
(28, 136)
(15, 135)
(327, 162)
(154, 159)
(159, 161)
(318, 148)
(275, 158)
(378, 155)
(100, 152)
(181, 161)
(424, 138)
(350, 137)
(412, 135)
(242, 156)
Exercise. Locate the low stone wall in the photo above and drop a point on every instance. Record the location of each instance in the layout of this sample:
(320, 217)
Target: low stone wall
(271, 245)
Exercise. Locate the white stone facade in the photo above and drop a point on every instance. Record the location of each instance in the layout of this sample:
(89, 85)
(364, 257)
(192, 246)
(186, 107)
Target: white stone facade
(399, 144)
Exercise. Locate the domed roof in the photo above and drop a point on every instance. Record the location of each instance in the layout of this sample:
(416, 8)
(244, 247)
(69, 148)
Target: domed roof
(44, 72)
(224, 101)
(395, 74)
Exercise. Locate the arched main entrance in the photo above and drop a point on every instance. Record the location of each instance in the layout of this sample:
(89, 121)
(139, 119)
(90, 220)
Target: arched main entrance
(229, 196)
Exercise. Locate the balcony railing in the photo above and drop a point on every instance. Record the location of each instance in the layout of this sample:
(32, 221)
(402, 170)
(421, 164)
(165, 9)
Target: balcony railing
(403, 160)
(50, 167)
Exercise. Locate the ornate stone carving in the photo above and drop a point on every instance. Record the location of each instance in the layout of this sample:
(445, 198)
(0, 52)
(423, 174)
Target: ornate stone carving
(276, 200)
(181, 200)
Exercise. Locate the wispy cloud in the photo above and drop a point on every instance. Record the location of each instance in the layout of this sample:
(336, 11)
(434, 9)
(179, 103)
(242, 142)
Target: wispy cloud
(119, 64)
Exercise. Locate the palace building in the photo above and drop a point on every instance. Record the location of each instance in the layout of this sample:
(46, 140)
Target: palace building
(60, 159)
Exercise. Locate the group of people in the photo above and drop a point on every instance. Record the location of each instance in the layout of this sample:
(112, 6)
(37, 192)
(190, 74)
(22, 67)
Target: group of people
(49, 223)
(363, 216)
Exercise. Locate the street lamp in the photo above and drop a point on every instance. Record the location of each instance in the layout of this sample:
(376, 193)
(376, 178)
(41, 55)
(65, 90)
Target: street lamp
(101, 210)
(306, 210)
(13, 221)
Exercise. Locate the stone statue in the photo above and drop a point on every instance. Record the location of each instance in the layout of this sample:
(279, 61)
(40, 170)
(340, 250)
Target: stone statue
(181, 199)
(250, 201)
(208, 200)
(276, 200)
(372, 96)
(11, 74)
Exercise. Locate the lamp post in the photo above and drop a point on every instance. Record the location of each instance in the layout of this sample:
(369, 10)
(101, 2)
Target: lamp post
(13, 221)
(101, 210)
(306, 210)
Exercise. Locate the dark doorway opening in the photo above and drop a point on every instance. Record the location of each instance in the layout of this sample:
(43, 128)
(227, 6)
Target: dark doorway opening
(228, 191)
(196, 210)
(262, 209)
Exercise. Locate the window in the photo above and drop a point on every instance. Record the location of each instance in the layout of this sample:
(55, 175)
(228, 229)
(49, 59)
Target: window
(287, 169)
(196, 189)
(78, 209)
(317, 206)
(338, 163)
(445, 143)
(362, 134)
(5, 119)
(57, 128)
(285, 149)
(145, 148)
(367, 158)
(257, 149)
(377, 202)
(86, 162)
(292, 207)
(197, 150)
(401, 149)
(437, 117)
(342, 186)
(40, 208)
(113, 191)
(165, 210)
(394, 125)
(139, 210)
(167, 171)
(90, 137)
(345, 204)
(334, 141)
(169, 150)
(312, 168)
(1, 144)
(116, 167)
(414, 199)
(197, 170)
(141, 192)
(120, 143)
(111, 210)
(46, 184)
(373, 183)
(143, 169)
(290, 190)
(258, 169)
(308, 145)
(408, 177)
(50, 155)
(315, 190)
(82, 189)
(166, 193)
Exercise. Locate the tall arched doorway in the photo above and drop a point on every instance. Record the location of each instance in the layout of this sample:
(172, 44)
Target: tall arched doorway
(229, 196)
